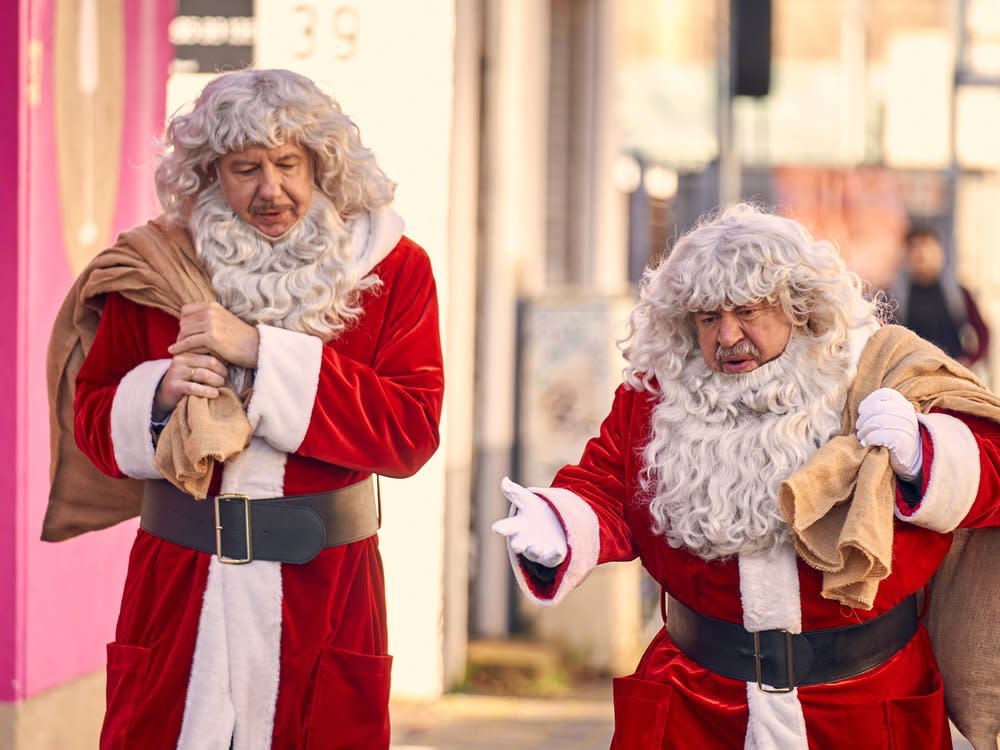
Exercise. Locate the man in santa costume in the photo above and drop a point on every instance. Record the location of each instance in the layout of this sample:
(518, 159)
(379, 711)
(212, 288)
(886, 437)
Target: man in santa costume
(791, 473)
(253, 356)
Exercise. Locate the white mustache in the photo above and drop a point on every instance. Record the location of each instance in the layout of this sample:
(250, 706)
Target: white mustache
(743, 348)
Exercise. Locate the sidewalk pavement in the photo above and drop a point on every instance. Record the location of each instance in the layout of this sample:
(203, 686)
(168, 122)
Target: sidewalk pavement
(461, 721)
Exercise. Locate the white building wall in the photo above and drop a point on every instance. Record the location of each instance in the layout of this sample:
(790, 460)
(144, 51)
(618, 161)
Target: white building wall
(391, 65)
(513, 198)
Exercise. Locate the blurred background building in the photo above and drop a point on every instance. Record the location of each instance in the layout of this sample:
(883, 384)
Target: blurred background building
(546, 152)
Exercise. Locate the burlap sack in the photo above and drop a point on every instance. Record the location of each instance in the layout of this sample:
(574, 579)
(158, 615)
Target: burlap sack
(154, 265)
(839, 506)
(964, 622)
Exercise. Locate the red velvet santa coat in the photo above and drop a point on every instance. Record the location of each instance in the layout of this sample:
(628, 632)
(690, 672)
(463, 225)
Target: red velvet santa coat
(672, 702)
(271, 655)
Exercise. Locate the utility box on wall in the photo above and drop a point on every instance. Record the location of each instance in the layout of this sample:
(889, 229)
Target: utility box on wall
(569, 368)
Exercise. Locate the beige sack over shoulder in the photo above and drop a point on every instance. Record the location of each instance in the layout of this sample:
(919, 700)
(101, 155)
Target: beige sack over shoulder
(964, 622)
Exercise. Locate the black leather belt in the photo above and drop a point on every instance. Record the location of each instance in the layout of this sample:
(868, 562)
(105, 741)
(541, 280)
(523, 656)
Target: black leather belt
(285, 529)
(777, 660)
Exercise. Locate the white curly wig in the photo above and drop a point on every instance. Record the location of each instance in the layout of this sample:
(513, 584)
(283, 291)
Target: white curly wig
(268, 108)
(721, 444)
(741, 257)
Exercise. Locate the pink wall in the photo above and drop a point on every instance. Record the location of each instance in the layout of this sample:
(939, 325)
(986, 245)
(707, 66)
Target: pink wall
(9, 81)
(58, 602)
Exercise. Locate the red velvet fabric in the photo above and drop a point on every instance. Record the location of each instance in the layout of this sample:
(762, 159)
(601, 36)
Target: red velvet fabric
(376, 410)
(671, 702)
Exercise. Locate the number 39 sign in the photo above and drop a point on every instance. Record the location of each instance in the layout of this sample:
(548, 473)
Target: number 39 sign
(338, 27)
(308, 36)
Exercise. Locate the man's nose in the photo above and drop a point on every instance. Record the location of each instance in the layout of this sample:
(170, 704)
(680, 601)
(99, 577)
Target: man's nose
(730, 331)
(269, 187)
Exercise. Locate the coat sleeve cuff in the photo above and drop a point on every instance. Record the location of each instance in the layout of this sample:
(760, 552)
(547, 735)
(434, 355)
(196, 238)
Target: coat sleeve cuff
(131, 412)
(952, 475)
(288, 365)
(583, 542)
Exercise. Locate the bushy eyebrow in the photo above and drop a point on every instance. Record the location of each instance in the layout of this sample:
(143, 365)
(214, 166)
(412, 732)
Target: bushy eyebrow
(242, 161)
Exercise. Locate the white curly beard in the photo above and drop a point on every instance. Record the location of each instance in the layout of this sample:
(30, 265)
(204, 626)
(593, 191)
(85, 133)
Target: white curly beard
(305, 280)
(722, 444)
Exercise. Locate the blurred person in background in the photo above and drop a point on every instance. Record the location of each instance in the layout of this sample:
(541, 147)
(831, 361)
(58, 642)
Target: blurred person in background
(931, 303)
(252, 356)
(790, 471)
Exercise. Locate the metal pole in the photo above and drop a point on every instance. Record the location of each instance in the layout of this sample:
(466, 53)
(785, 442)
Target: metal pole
(729, 168)
(953, 172)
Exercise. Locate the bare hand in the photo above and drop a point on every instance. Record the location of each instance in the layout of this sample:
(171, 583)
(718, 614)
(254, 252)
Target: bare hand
(208, 327)
(189, 375)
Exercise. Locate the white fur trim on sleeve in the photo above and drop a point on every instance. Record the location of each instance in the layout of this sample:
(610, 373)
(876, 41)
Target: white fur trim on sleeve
(583, 539)
(288, 364)
(954, 475)
(131, 410)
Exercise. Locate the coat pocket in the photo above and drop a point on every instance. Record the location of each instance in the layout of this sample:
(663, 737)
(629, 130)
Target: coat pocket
(126, 677)
(640, 713)
(919, 720)
(350, 705)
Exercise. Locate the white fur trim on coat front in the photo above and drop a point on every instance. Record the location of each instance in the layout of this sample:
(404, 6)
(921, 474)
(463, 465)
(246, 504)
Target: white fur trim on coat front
(776, 721)
(858, 337)
(373, 236)
(233, 687)
(769, 589)
(954, 475)
(583, 540)
(288, 365)
(131, 410)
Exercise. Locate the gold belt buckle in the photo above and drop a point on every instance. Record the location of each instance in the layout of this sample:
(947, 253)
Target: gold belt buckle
(230, 497)
(789, 663)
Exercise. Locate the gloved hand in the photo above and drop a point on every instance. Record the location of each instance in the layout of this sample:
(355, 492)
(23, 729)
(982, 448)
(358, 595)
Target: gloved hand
(886, 418)
(534, 531)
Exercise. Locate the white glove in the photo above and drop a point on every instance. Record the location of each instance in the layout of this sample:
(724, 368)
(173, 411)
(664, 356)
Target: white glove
(886, 418)
(534, 530)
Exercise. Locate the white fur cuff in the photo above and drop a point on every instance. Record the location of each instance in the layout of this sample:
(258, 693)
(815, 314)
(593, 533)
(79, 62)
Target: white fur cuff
(583, 539)
(288, 365)
(954, 475)
(131, 410)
